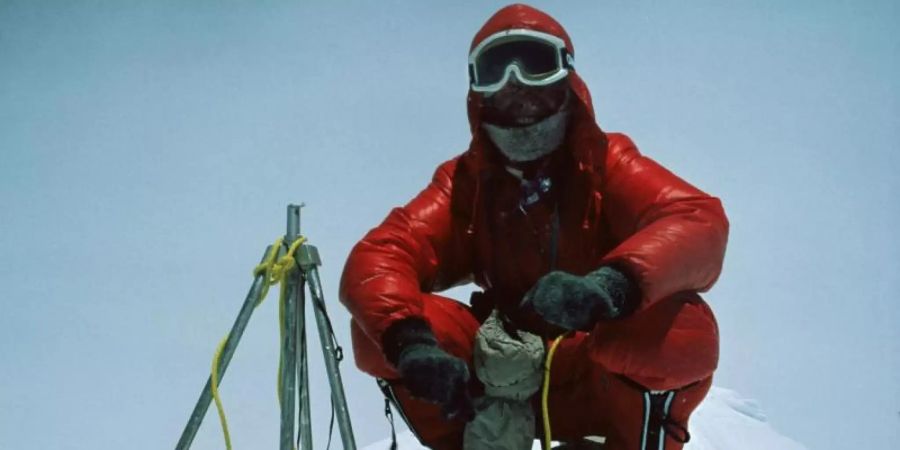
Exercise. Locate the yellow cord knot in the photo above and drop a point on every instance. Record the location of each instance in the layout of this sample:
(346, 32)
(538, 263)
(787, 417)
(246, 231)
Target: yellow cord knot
(274, 271)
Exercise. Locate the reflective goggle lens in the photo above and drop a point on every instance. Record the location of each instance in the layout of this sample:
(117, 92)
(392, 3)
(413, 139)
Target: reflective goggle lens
(536, 59)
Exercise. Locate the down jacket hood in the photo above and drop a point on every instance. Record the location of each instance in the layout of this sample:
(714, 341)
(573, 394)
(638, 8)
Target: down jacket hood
(584, 138)
(519, 16)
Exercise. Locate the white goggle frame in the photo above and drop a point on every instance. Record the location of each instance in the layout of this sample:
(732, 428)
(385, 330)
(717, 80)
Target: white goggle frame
(562, 65)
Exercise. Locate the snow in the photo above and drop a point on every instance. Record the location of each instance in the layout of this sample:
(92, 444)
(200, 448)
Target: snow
(727, 421)
(724, 421)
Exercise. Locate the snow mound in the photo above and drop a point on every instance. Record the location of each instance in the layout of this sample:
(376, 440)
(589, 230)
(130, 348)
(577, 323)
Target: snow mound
(727, 421)
(724, 421)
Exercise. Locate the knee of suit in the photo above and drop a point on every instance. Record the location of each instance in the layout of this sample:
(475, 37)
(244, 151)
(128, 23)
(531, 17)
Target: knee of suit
(453, 325)
(663, 415)
(672, 344)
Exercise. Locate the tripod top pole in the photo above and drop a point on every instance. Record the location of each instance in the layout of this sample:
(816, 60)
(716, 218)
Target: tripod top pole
(293, 223)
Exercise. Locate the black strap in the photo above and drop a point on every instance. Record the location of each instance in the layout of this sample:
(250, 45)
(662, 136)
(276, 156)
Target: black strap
(330, 425)
(385, 387)
(390, 417)
(338, 351)
(319, 304)
(678, 431)
(658, 418)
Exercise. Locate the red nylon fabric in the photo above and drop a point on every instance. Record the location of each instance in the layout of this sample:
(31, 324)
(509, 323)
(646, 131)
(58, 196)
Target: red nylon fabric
(616, 206)
(588, 395)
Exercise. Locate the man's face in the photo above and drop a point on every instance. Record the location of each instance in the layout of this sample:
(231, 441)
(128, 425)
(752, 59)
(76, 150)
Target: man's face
(518, 105)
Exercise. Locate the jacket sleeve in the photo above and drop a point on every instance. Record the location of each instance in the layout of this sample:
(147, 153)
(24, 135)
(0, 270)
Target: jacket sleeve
(671, 236)
(414, 251)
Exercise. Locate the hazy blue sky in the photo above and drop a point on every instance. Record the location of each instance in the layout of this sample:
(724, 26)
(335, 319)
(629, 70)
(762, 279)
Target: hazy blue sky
(148, 150)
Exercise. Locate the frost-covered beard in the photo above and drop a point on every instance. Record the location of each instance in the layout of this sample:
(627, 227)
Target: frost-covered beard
(528, 143)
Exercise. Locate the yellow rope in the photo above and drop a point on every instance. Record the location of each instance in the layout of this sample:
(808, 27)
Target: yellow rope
(273, 272)
(545, 391)
(215, 392)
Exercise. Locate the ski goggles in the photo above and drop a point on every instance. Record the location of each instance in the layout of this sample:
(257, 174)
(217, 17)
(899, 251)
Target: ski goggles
(535, 58)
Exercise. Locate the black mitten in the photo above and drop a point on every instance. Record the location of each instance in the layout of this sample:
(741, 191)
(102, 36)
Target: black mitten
(430, 373)
(577, 303)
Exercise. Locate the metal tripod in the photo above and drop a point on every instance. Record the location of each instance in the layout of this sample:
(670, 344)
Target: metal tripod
(293, 348)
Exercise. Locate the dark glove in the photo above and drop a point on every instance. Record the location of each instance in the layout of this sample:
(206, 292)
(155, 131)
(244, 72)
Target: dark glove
(577, 303)
(430, 373)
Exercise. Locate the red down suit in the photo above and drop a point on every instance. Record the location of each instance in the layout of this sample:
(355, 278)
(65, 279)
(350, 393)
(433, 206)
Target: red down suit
(611, 205)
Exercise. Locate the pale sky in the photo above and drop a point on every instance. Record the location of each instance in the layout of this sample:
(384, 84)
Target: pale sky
(148, 151)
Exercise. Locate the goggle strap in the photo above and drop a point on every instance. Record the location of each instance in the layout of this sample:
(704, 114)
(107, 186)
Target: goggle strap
(567, 58)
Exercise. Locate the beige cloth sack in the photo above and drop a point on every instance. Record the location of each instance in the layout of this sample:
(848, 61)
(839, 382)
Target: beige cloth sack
(511, 368)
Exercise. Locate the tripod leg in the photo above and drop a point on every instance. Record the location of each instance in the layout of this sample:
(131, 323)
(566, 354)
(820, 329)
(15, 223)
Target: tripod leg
(331, 362)
(289, 347)
(288, 366)
(303, 372)
(237, 330)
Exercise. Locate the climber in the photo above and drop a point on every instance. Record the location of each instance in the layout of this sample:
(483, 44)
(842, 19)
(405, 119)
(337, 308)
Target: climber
(565, 228)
